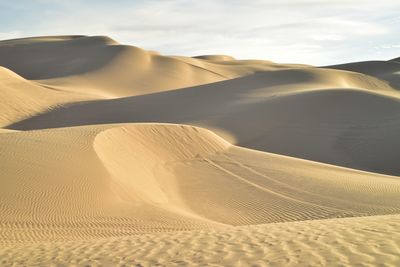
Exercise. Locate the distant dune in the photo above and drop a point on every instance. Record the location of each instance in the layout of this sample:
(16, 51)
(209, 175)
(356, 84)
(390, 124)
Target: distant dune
(112, 155)
(100, 66)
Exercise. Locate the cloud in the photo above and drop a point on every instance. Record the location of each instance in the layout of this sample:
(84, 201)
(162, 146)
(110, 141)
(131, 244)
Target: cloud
(390, 46)
(10, 35)
(327, 37)
(317, 32)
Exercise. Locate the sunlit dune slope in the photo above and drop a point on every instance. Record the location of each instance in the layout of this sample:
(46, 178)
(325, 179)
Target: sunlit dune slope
(385, 70)
(100, 66)
(111, 180)
(330, 116)
(21, 99)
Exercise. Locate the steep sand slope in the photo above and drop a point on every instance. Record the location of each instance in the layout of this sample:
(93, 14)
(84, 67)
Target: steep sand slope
(21, 99)
(386, 70)
(362, 241)
(113, 180)
(100, 66)
(330, 116)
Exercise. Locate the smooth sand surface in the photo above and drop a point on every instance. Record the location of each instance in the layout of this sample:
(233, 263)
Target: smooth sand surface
(385, 70)
(111, 155)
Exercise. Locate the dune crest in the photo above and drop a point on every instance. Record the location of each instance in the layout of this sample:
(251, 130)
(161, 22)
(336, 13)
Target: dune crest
(143, 169)
(21, 99)
(388, 71)
(317, 114)
(216, 57)
(142, 150)
(101, 66)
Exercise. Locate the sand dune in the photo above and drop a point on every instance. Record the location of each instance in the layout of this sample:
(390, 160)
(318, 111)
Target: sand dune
(100, 66)
(114, 155)
(317, 114)
(143, 169)
(386, 70)
(216, 57)
(22, 99)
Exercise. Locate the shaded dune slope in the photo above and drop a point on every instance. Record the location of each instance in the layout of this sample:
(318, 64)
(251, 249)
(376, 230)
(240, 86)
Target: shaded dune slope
(385, 70)
(100, 66)
(330, 116)
(21, 98)
(134, 179)
(215, 57)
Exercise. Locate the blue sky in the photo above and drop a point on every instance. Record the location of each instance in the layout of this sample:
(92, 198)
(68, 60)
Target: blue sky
(305, 31)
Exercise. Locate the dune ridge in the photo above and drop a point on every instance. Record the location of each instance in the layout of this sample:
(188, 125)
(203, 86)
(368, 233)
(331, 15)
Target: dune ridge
(143, 169)
(311, 115)
(114, 155)
(21, 98)
(384, 70)
(101, 66)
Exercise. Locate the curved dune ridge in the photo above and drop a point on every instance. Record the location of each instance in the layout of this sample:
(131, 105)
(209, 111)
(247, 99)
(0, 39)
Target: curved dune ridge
(175, 170)
(22, 99)
(386, 70)
(114, 155)
(304, 116)
(100, 66)
(216, 57)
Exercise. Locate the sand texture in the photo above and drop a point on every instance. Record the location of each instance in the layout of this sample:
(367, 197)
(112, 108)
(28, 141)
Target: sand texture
(111, 155)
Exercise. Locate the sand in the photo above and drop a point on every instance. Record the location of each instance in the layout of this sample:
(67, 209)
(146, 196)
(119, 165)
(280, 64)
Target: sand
(112, 155)
(361, 241)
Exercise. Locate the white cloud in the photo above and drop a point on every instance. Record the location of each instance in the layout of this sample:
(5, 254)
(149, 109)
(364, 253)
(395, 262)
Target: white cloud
(389, 46)
(327, 37)
(317, 32)
(10, 35)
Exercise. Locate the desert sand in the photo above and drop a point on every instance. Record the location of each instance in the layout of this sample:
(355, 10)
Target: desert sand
(112, 155)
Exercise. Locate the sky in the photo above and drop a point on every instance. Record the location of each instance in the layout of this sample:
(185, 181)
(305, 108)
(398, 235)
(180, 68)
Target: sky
(297, 31)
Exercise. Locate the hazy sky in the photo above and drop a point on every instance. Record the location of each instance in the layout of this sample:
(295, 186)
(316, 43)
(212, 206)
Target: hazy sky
(307, 31)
